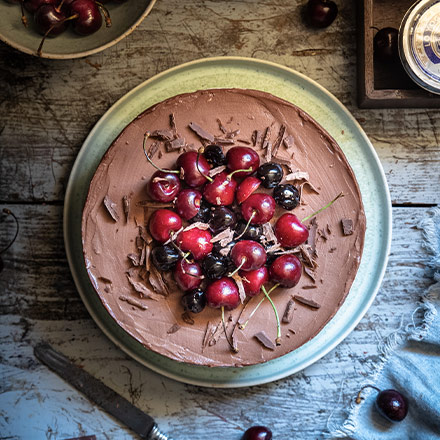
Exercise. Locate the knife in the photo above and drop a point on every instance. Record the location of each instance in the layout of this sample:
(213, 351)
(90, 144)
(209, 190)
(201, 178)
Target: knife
(120, 408)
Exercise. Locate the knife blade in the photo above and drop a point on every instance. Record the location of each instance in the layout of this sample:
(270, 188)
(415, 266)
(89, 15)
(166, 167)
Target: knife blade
(120, 408)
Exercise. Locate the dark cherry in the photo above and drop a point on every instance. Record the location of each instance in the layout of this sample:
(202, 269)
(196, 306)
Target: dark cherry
(321, 13)
(270, 174)
(392, 405)
(215, 266)
(164, 257)
(221, 191)
(194, 301)
(246, 188)
(89, 18)
(223, 293)
(259, 208)
(197, 241)
(162, 223)
(290, 232)
(163, 187)
(257, 433)
(194, 171)
(188, 203)
(253, 232)
(385, 44)
(33, 5)
(242, 158)
(214, 155)
(188, 275)
(287, 196)
(204, 213)
(221, 219)
(286, 270)
(254, 279)
(248, 255)
(48, 17)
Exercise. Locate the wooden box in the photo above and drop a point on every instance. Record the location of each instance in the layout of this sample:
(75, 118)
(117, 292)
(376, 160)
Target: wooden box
(385, 85)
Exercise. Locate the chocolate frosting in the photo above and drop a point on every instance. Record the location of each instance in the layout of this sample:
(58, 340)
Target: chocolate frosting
(242, 116)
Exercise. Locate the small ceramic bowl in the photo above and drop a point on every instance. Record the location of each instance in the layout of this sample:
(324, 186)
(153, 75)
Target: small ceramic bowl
(125, 18)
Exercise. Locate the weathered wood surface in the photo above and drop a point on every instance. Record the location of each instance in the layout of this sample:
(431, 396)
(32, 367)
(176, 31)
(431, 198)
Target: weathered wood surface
(47, 109)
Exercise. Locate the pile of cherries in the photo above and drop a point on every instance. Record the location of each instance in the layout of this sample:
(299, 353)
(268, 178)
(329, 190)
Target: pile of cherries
(228, 199)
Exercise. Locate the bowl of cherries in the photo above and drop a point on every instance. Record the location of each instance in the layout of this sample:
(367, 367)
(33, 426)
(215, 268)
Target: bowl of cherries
(66, 29)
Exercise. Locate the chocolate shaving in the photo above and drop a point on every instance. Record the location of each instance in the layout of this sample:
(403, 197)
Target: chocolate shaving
(312, 235)
(142, 257)
(265, 139)
(209, 333)
(307, 302)
(244, 141)
(147, 257)
(268, 156)
(289, 142)
(347, 226)
(298, 175)
(227, 234)
(329, 231)
(288, 312)
(310, 273)
(239, 281)
(133, 302)
(269, 233)
(217, 170)
(222, 141)
(307, 256)
(199, 131)
(134, 259)
(255, 138)
(279, 139)
(187, 318)
(274, 248)
(111, 208)
(157, 282)
(105, 280)
(154, 205)
(163, 135)
(223, 129)
(309, 287)
(198, 225)
(323, 234)
(153, 149)
(313, 188)
(175, 144)
(331, 250)
(264, 340)
(173, 124)
(288, 163)
(145, 235)
(139, 242)
(126, 205)
(176, 327)
(141, 289)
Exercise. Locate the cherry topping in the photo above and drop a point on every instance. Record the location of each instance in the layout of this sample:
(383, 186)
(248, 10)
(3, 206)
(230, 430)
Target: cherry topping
(321, 13)
(286, 270)
(214, 155)
(48, 19)
(221, 190)
(248, 232)
(246, 188)
(254, 279)
(194, 168)
(223, 293)
(221, 219)
(270, 174)
(163, 187)
(385, 44)
(392, 405)
(162, 223)
(257, 433)
(188, 203)
(194, 301)
(89, 18)
(164, 257)
(289, 231)
(286, 196)
(258, 208)
(204, 213)
(215, 266)
(187, 275)
(248, 255)
(197, 241)
(241, 158)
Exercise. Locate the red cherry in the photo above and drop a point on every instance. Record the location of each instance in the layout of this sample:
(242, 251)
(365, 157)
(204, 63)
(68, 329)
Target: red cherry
(321, 13)
(254, 279)
(197, 241)
(286, 270)
(162, 223)
(221, 190)
(241, 158)
(193, 173)
(188, 203)
(89, 18)
(223, 293)
(188, 276)
(246, 188)
(290, 232)
(261, 207)
(248, 255)
(48, 17)
(163, 187)
(257, 433)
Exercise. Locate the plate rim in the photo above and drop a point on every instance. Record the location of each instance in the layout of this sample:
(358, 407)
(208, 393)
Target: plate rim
(342, 335)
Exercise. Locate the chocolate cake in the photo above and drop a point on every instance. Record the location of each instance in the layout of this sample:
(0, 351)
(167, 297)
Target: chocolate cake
(117, 244)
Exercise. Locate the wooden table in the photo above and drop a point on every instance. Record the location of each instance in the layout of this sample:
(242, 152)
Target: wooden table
(47, 110)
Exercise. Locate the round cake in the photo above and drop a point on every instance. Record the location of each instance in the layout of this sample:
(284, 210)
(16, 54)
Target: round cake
(146, 300)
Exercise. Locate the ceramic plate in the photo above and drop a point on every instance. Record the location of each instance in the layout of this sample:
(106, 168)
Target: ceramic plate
(332, 115)
(125, 18)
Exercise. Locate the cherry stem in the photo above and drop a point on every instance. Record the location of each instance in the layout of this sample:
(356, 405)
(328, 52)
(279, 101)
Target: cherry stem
(199, 152)
(234, 349)
(23, 17)
(58, 8)
(324, 207)
(247, 170)
(146, 136)
(359, 398)
(238, 268)
(278, 339)
(9, 212)
(243, 326)
(104, 10)
(247, 225)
